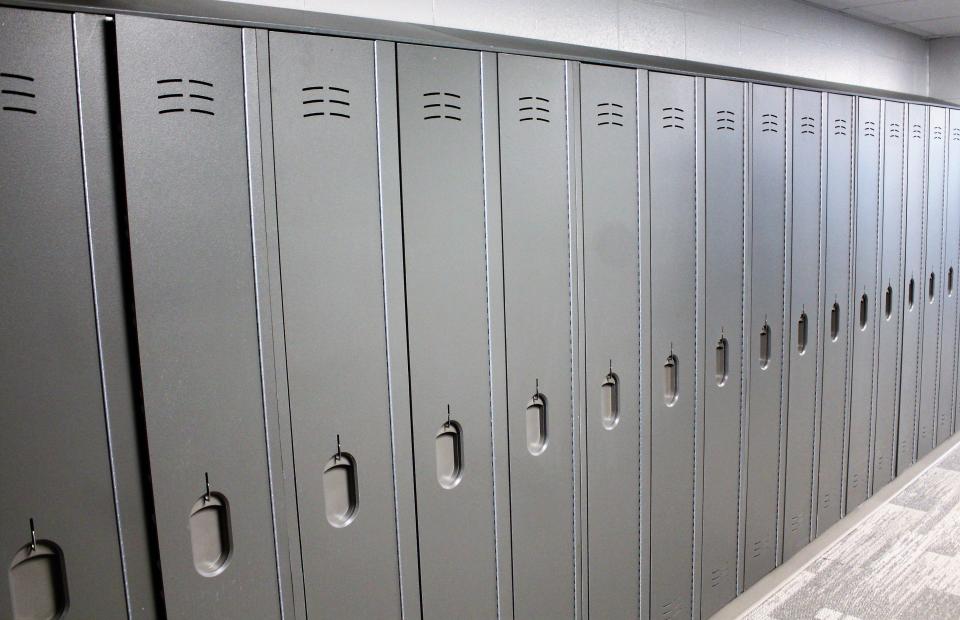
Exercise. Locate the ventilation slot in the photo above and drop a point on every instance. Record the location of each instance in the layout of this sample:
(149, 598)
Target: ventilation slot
(325, 101)
(840, 127)
(895, 131)
(16, 93)
(869, 129)
(808, 125)
(210, 534)
(672, 118)
(610, 400)
(609, 114)
(533, 108)
(938, 133)
(185, 96)
(916, 131)
(726, 120)
(864, 311)
(955, 134)
(722, 362)
(802, 328)
(888, 303)
(38, 580)
(438, 105)
(449, 441)
(770, 122)
(835, 322)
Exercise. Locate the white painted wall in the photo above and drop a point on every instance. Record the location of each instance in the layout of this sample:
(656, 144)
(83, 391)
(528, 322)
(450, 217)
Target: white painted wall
(781, 36)
(945, 69)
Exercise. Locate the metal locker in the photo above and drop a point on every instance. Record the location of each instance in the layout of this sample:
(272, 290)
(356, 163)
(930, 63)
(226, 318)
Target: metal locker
(946, 403)
(804, 325)
(723, 330)
(327, 139)
(538, 276)
(836, 293)
(864, 287)
(913, 282)
(611, 254)
(764, 355)
(59, 539)
(673, 273)
(932, 282)
(889, 294)
(444, 220)
(189, 208)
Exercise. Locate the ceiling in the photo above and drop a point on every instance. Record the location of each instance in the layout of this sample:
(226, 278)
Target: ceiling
(927, 18)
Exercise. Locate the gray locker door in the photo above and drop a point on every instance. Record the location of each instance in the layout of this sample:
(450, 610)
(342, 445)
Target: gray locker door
(723, 125)
(889, 295)
(611, 255)
(932, 283)
(537, 290)
(913, 280)
(835, 318)
(768, 141)
(182, 100)
(864, 287)
(53, 446)
(447, 317)
(947, 402)
(804, 322)
(327, 172)
(673, 276)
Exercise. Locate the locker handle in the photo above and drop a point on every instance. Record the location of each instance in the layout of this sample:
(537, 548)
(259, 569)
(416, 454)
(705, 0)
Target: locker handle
(536, 419)
(764, 347)
(888, 303)
(38, 580)
(449, 453)
(931, 288)
(671, 380)
(950, 282)
(802, 334)
(864, 310)
(340, 492)
(210, 535)
(610, 400)
(835, 322)
(910, 287)
(722, 359)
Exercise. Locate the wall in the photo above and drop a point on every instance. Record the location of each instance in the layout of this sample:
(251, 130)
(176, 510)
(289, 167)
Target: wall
(945, 69)
(781, 36)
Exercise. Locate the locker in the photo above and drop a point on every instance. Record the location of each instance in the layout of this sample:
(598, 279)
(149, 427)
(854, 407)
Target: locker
(538, 276)
(889, 295)
(836, 310)
(187, 186)
(326, 146)
(768, 182)
(58, 522)
(673, 273)
(441, 124)
(932, 283)
(611, 254)
(724, 205)
(804, 325)
(946, 404)
(864, 286)
(913, 281)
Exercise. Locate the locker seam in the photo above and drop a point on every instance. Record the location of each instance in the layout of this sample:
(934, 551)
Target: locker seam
(745, 159)
(697, 203)
(784, 313)
(878, 256)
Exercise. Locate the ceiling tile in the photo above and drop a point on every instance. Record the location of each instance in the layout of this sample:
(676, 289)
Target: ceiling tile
(946, 27)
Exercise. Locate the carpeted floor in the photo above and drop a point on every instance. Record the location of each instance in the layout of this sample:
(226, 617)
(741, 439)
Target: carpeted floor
(901, 561)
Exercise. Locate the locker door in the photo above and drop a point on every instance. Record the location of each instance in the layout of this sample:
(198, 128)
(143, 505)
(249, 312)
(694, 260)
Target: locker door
(768, 128)
(326, 158)
(182, 100)
(946, 403)
(864, 288)
(723, 126)
(673, 273)
(58, 529)
(611, 254)
(804, 324)
(913, 282)
(932, 283)
(537, 290)
(889, 295)
(836, 310)
(444, 207)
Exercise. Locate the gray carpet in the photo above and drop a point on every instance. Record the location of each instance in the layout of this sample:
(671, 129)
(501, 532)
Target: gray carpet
(902, 561)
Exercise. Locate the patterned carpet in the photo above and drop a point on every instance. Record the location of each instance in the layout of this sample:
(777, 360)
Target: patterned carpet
(902, 561)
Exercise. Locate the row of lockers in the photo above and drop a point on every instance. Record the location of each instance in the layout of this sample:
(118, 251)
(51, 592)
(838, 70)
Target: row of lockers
(305, 326)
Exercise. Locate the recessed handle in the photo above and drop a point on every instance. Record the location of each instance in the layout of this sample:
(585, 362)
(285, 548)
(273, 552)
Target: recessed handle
(449, 454)
(802, 333)
(931, 288)
(764, 346)
(910, 287)
(888, 303)
(536, 415)
(671, 380)
(722, 360)
(835, 322)
(610, 400)
(864, 311)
